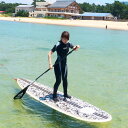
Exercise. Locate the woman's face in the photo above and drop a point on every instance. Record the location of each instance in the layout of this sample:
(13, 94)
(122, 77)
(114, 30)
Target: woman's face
(64, 40)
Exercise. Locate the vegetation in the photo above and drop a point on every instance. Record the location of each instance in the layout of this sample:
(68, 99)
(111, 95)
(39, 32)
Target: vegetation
(118, 9)
(22, 13)
(6, 15)
(8, 7)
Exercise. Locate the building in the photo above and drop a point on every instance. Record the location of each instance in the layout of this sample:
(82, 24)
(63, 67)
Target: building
(64, 8)
(60, 8)
(40, 10)
(96, 16)
(28, 8)
(42, 6)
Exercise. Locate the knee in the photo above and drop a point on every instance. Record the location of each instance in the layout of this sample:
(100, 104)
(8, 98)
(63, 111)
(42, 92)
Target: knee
(64, 80)
(58, 80)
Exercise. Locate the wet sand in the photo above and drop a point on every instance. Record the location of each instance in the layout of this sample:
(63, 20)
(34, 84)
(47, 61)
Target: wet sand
(81, 23)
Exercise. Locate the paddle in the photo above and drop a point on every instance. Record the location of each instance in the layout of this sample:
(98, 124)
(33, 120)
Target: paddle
(22, 92)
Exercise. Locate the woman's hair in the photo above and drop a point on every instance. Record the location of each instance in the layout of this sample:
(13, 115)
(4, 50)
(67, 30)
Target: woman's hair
(65, 34)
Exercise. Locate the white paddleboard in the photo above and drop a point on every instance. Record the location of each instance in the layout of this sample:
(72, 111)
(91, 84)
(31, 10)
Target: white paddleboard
(73, 107)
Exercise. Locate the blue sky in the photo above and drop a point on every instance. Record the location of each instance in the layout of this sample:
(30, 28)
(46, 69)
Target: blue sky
(79, 1)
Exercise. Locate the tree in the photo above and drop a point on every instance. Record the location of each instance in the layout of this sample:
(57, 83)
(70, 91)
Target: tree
(22, 13)
(34, 3)
(118, 9)
(8, 7)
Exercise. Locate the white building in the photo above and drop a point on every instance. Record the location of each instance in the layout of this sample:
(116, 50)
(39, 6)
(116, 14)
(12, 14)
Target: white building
(96, 16)
(27, 8)
(40, 10)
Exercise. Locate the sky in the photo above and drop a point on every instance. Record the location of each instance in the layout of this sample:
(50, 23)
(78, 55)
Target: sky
(79, 1)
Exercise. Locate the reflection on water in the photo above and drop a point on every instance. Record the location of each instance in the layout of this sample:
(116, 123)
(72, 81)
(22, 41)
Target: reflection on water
(56, 119)
(30, 107)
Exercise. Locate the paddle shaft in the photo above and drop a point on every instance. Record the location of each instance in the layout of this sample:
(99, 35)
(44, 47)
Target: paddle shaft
(25, 89)
(54, 65)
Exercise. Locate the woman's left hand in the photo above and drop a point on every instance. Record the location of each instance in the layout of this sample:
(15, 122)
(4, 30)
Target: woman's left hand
(76, 47)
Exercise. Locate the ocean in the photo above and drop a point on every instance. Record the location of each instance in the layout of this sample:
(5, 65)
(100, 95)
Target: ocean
(97, 73)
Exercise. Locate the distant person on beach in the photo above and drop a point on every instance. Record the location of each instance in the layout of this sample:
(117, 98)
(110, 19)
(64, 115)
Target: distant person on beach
(60, 69)
(106, 27)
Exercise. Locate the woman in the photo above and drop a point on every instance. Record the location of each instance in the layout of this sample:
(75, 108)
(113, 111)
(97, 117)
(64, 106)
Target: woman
(60, 69)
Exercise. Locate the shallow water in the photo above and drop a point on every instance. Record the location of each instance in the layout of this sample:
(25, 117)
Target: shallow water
(97, 73)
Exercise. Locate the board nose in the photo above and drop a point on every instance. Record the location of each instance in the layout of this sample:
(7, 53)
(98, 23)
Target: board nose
(15, 79)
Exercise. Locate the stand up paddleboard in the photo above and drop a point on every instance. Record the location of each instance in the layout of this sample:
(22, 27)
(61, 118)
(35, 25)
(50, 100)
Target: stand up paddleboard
(73, 107)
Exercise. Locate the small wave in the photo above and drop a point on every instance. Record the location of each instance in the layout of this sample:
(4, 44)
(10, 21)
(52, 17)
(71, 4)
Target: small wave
(45, 49)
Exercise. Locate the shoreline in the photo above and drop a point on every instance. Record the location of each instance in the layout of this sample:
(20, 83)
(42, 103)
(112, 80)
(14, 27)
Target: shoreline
(113, 25)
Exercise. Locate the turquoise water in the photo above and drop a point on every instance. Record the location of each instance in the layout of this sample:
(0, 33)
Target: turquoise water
(97, 74)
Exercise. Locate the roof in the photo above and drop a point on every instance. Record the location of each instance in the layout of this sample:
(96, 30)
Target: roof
(61, 4)
(96, 14)
(26, 6)
(42, 3)
(2, 11)
(66, 13)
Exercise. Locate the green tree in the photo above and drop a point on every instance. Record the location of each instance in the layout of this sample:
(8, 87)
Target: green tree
(34, 3)
(86, 7)
(118, 9)
(8, 7)
(22, 13)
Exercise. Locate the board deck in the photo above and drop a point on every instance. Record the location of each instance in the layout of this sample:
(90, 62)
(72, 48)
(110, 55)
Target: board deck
(73, 107)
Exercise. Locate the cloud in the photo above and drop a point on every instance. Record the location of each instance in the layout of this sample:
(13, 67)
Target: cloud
(18, 1)
(51, 1)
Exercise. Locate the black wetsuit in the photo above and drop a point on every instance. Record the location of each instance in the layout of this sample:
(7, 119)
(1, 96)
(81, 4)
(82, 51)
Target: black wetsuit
(60, 69)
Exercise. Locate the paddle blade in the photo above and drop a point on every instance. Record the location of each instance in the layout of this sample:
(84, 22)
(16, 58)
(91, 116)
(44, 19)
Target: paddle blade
(21, 93)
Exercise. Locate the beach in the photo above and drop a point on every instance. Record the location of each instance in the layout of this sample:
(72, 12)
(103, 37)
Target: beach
(79, 23)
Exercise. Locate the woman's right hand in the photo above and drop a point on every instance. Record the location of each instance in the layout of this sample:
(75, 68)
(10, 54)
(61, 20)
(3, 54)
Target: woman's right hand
(50, 66)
